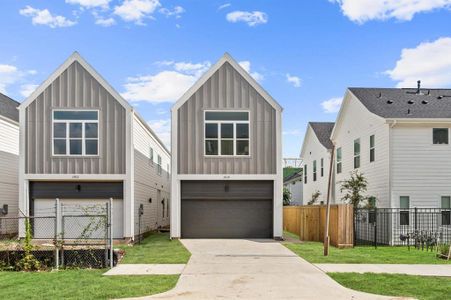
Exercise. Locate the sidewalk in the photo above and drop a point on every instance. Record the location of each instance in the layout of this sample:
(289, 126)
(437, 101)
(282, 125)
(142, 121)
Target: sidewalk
(422, 270)
(146, 269)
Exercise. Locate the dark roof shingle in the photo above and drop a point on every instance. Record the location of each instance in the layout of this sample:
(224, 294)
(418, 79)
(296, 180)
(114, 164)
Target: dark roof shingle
(405, 103)
(323, 131)
(8, 108)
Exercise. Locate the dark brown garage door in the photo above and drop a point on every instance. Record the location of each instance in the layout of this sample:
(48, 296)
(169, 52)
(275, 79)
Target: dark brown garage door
(227, 209)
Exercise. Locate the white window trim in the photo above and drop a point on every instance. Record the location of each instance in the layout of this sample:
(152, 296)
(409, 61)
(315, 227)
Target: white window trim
(234, 134)
(357, 155)
(339, 161)
(159, 165)
(372, 148)
(83, 139)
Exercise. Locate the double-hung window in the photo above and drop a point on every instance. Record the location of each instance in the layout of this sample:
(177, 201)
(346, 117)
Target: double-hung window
(75, 132)
(372, 149)
(151, 156)
(314, 170)
(440, 136)
(338, 160)
(305, 174)
(227, 133)
(322, 167)
(159, 168)
(404, 205)
(356, 153)
(446, 210)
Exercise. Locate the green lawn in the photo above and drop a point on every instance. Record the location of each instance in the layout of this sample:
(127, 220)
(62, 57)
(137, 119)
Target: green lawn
(156, 249)
(80, 284)
(313, 252)
(420, 287)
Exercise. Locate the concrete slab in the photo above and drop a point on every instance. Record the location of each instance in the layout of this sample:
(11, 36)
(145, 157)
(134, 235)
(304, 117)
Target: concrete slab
(253, 269)
(145, 269)
(423, 270)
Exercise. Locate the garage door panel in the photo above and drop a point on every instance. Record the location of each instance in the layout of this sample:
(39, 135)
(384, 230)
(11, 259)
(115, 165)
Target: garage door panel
(233, 189)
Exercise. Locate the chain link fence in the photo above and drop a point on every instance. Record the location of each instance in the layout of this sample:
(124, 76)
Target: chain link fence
(419, 227)
(69, 235)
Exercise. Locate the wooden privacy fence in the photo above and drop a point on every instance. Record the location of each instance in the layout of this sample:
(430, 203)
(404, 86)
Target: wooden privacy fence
(308, 222)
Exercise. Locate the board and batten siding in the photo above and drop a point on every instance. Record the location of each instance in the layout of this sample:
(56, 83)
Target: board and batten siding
(147, 182)
(314, 150)
(75, 88)
(9, 161)
(226, 90)
(420, 169)
(357, 122)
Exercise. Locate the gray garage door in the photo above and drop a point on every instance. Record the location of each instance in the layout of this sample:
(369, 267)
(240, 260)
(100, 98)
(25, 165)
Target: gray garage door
(227, 209)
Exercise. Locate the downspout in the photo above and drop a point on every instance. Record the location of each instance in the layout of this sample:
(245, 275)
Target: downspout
(391, 125)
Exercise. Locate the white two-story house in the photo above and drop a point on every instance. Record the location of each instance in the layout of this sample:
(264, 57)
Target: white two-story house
(316, 154)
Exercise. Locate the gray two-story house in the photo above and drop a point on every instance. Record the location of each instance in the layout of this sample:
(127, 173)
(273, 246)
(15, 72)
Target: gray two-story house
(226, 158)
(82, 142)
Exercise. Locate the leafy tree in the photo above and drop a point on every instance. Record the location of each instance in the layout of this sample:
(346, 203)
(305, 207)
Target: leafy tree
(355, 187)
(315, 197)
(286, 196)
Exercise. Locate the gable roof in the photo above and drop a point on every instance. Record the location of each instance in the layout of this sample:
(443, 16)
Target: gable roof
(405, 103)
(227, 58)
(8, 108)
(76, 57)
(323, 131)
(293, 176)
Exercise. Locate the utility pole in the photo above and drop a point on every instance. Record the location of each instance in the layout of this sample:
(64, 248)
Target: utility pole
(326, 235)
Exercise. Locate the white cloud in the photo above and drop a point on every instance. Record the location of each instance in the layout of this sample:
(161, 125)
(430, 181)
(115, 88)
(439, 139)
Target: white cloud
(294, 80)
(105, 22)
(10, 75)
(165, 86)
(44, 17)
(225, 5)
(162, 128)
(136, 10)
(246, 65)
(332, 105)
(361, 11)
(90, 3)
(27, 89)
(176, 11)
(429, 62)
(251, 18)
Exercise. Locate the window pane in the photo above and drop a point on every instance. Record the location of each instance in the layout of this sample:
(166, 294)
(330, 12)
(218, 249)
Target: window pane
(372, 156)
(357, 147)
(226, 116)
(242, 131)
(59, 130)
(59, 147)
(226, 147)
(339, 154)
(446, 217)
(404, 218)
(211, 147)
(242, 147)
(339, 168)
(75, 147)
(440, 135)
(91, 147)
(404, 202)
(227, 131)
(356, 162)
(75, 130)
(211, 131)
(446, 202)
(372, 141)
(75, 115)
(91, 130)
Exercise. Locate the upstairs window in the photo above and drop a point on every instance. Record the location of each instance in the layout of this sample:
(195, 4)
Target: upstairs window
(151, 156)
(159, 168)
(356, 153)
(75, 132)
(446, 210)
(314, 170)
(322, 167)
(338, 160)
(440, 136)
(305, 174)
(227, 133)
(372, 149)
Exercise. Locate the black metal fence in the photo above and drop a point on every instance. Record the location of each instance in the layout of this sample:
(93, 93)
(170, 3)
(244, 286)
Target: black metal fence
(420, 227)
(64, 235)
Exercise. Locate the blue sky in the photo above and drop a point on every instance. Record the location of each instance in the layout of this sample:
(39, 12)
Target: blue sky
(304, 53)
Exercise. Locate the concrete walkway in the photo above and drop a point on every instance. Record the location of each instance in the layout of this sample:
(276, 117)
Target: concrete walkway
(253, 269)
(423, 270)
(145, 269)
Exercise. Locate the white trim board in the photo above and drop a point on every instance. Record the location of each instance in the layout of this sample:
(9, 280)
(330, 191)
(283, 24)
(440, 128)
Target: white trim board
(227, 58)
(75, 177)
(225, 176)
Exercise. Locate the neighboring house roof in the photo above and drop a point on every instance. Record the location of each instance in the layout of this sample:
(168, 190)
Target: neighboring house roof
(405, 103)
(227, 58)
(8, 108)
(322, 131)
(287, 171)
(294, 176)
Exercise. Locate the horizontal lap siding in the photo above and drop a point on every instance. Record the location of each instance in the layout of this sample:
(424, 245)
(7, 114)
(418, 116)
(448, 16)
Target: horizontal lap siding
(9, 162)
(226, 89)
(420, 169)
(75, 88)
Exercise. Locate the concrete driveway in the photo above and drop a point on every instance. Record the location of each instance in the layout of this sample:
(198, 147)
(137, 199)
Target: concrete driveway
(252, 269)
